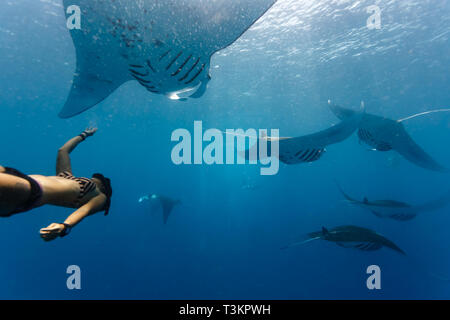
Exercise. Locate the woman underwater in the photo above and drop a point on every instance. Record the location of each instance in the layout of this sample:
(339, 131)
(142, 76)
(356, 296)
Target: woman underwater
(21, 193)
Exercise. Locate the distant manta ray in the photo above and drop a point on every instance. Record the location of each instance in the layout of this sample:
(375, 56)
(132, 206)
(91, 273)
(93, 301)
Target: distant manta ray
(165, 45)
(397, 210)
(309, 148)
(384, 134)
(350, 237)
(167, 204)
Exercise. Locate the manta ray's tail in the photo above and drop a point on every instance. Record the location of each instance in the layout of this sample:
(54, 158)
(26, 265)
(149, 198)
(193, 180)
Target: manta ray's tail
(346, 196)
(250, 154)
(300, 242)
(423, 114)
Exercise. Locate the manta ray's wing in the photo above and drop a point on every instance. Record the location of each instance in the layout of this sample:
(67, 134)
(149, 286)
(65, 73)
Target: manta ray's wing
(100, 68)
(360, 245)
(377, 214)
(435, 204)
(167, 207)
(405, 145)
(364, 239)
(390, 204)
(310, 148)
(165, 45)
(354, 234)
(389, 244)
(400, 216)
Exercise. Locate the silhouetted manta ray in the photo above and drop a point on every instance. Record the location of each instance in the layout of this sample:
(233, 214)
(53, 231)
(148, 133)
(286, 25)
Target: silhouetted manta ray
(167, 204)
(350, 237)
(165, 45)
(310, 148)
(384, 134)
(397, 210)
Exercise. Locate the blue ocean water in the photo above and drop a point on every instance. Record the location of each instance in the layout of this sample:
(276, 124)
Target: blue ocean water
(224, 241)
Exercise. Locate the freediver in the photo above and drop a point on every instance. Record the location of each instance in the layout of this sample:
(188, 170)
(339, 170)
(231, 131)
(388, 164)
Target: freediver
(21, 193)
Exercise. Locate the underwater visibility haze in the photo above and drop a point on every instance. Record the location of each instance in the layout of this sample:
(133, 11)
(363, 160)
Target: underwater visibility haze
(341, 80)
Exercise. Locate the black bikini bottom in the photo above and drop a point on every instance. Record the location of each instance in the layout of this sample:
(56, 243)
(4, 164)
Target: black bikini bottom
(35, 195)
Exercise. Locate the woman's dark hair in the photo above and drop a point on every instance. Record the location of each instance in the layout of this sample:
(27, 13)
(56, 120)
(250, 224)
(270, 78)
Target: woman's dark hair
(106, 189)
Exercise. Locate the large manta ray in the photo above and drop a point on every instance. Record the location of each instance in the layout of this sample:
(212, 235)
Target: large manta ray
(165, 45)
(384, 134)
(350, 237)
(167, 204)
(309, 148)
(397, 210)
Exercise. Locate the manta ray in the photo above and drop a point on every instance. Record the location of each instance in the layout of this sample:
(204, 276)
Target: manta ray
(397, 210)
(309, 148)
(164, 45)
(350, 237)
(167, 204)
(383, 134)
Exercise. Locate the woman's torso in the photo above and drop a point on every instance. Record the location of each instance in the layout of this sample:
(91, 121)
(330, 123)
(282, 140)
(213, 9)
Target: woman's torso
(63, 192)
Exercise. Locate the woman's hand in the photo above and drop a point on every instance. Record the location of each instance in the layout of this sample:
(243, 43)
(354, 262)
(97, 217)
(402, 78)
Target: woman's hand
(90, 131)
(87, 133)
(52, 231)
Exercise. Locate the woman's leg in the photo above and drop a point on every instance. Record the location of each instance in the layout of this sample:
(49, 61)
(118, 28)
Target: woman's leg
(14, 192)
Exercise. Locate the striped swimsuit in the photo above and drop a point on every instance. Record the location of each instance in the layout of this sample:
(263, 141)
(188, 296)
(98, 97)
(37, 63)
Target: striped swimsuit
(86, 185)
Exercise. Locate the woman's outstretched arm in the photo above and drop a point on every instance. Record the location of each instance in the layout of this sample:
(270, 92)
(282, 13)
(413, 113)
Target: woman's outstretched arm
(55, 230)
(63, 158)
